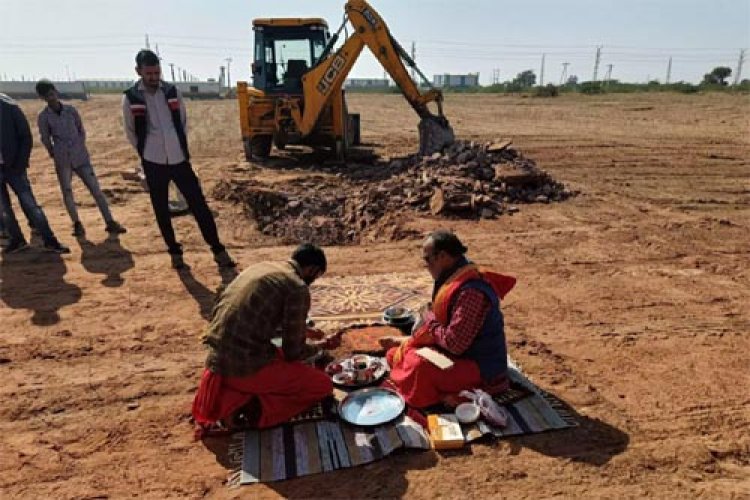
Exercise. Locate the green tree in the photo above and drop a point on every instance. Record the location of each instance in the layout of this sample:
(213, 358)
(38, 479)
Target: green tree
(525, 79)
(717, 76)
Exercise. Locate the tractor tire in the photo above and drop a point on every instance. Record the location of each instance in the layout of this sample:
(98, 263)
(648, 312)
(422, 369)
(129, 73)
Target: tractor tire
(339, 150)
(279, 142)
(258, 147)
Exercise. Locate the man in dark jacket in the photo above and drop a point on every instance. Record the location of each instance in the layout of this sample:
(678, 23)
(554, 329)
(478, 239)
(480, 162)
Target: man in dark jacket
(464, 323)
(15, 150)
(156, 126)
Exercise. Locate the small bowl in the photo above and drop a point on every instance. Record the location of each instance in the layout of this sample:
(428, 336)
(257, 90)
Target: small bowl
(360, 361)
(397, 313)
(467, 413)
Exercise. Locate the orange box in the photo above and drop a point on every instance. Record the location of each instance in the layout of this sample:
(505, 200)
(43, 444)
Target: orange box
(445, 432)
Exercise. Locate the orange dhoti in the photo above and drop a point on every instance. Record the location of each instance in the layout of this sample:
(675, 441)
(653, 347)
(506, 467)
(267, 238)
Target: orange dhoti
(423, 384)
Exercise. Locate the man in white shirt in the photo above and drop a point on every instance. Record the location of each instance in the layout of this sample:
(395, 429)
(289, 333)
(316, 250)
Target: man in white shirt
(156, 125)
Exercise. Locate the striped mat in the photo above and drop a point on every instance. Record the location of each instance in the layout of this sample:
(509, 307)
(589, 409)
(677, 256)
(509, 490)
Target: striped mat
(307, 448)
(312, 447)
(537, 412)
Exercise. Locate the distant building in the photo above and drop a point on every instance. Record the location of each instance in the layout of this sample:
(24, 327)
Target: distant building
(447, 80)
(193, 90)
(81, 89)
(106, 85)
(27, 90)
(367, 83)
(200, 90)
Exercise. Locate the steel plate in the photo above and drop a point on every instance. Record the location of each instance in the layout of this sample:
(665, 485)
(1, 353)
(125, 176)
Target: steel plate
(371, 406)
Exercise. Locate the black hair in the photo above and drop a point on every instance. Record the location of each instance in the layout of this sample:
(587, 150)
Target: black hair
(445, 241)
(147, 58)
(43, 87)
(308, 254)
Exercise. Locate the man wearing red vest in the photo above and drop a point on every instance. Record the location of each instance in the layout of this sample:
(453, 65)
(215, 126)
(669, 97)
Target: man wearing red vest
(464, 323)
(156, 125)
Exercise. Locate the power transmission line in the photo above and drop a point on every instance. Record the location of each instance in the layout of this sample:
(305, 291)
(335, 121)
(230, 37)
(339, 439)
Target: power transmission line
(541, 72)
(549, 46)
(596, 62)
(229, 78)
(739, 67)
(564, 74)
(669, 71)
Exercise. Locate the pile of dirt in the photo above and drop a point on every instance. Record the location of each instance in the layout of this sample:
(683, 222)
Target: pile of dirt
(356, 203)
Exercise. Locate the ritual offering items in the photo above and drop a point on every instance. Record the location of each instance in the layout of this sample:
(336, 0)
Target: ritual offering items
(467, 413)
(357, 371)
(334, 368)
(360, 361)
(492, 412)
(445, 432)
(436, 358)
(372, 406)
(399, 317)
(367, 339)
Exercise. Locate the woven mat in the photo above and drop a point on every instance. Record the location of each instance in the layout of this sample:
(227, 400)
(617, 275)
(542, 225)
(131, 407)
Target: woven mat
(530, 410)
(304, 448)
(313, 445)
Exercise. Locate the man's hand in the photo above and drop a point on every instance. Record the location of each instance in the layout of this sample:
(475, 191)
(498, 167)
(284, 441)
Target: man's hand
(390, 342)
(315, 334)
(423, 335)
(328, 342)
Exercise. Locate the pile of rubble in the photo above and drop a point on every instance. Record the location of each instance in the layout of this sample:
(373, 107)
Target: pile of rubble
(373, 202)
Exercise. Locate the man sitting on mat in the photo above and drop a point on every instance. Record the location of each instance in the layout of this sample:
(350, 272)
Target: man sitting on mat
(464, 323)
(246, 375)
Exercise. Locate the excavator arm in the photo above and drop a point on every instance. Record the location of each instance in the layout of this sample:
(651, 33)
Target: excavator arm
(328, 76)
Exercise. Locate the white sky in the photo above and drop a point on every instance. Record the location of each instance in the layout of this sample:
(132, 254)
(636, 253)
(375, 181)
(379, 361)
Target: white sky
(98, 38)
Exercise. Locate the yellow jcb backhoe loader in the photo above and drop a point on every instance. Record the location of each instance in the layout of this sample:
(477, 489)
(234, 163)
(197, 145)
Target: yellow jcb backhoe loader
(297, 95)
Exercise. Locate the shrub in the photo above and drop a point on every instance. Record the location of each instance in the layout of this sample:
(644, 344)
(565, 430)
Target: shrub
(548, 90)
(591, 88)
(685, 88)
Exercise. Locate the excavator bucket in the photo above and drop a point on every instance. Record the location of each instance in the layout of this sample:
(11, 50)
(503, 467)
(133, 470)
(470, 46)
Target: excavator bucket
(435, 133)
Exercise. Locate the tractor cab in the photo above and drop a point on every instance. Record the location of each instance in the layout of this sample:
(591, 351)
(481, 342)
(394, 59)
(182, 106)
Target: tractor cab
(285, 49)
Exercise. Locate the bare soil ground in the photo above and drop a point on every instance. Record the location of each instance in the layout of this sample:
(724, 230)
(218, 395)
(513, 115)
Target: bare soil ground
(632, 306)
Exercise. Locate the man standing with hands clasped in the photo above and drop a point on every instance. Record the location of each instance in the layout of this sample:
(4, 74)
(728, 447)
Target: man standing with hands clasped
(62, 133)
(156, 125)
